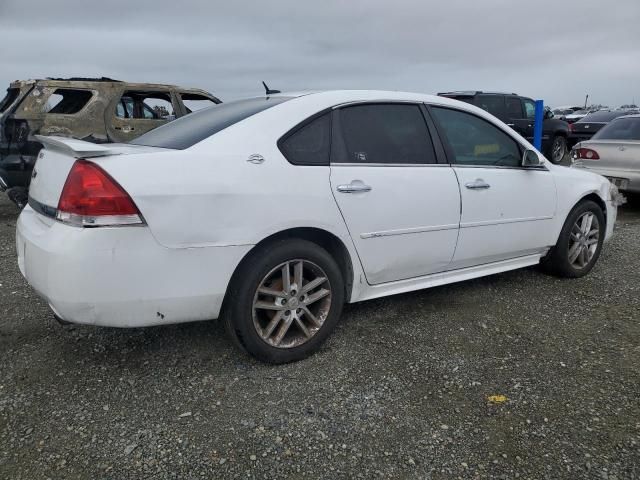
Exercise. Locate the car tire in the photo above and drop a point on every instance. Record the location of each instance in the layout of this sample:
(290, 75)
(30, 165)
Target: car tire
(577, 238)
(277, 322)
(558, 149)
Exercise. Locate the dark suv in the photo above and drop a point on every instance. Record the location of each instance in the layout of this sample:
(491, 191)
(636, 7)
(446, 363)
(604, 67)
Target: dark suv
(518, 112)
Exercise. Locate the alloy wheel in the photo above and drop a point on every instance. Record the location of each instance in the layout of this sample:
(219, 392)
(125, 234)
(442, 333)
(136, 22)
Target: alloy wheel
(558, 150)
(291, 303)
(583, 240)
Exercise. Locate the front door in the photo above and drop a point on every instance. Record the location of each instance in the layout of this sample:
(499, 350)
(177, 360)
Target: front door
(507, 210)
(401, 207)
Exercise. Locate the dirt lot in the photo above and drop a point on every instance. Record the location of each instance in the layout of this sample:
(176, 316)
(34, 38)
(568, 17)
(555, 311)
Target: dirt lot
(399, 391)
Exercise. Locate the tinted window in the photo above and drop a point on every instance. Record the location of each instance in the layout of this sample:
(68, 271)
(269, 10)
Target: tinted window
(475, 141)
(529, 109)
(193, 128)
(494, 104)
(384, 134)
(514, 107)
(310, 144)
(620, 129)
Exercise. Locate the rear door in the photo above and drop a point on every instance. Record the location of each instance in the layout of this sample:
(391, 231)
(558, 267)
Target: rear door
(507, 210)
(401, 207)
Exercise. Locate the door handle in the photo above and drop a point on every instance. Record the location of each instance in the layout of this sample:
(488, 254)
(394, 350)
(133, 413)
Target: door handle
(510, 124)
(478, 184)
(355, 186)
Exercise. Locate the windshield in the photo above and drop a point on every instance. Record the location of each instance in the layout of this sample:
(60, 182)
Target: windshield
(195, 127)
(620, 129)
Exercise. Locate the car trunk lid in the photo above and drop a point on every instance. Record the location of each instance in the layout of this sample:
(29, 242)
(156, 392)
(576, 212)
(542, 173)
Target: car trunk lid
(613, 154)
(55, 161)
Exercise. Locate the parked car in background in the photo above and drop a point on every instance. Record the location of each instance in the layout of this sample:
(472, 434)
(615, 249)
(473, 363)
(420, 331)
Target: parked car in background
(294, 204)
(586, 127)
(614, 152)
(561, 113)
(96, 110)
(519, 113)
(577, 115)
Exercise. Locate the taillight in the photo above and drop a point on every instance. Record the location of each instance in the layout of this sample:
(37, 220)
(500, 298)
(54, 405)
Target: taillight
(91, 198)
(570, 125)
(585, 153)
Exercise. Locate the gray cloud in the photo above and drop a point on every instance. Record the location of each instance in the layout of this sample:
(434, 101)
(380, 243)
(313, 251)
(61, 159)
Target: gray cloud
(558, 51)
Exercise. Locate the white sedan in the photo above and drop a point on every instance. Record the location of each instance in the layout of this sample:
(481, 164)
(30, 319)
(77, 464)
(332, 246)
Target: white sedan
(271, 212)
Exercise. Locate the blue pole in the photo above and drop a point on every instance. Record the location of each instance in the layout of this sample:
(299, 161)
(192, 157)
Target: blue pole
(537, 125)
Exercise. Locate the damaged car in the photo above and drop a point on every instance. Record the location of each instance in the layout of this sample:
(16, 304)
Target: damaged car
(97, 110)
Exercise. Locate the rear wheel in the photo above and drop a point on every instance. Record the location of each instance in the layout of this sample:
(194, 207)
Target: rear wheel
(284, 301)
(580, 242)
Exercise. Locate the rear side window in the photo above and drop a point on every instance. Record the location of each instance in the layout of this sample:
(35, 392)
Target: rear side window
(384, 133)
(494, 104)
(10, 97)
(514, 107)
(309, 144)
(474, 141)
(620, 129)
(191, 129)
(67, 101)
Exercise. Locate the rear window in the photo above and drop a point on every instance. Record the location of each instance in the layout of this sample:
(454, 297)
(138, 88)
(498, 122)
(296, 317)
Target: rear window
(494, 104)
(195, 127)
(10, 97)
(620, 129)
(601, 117)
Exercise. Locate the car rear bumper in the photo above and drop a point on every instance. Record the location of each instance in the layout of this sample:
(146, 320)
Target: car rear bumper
(121, 276)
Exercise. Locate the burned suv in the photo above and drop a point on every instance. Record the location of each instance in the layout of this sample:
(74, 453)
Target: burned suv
(97, 110)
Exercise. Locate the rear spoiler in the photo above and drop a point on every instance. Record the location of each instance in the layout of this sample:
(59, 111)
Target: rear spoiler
(76, 148)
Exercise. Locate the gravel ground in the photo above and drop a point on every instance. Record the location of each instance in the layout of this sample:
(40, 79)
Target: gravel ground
(399, 391)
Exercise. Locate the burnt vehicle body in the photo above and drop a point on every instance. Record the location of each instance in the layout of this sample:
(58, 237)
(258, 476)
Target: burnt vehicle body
(98, 110)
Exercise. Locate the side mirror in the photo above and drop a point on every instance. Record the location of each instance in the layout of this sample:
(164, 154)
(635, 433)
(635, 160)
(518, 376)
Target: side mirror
(530, 159)
(548, 113)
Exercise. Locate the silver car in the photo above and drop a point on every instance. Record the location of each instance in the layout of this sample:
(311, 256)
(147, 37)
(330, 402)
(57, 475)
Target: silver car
(614, 151)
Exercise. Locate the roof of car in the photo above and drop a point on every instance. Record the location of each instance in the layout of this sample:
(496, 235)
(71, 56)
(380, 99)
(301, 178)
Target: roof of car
(97, 82)
(471, 93)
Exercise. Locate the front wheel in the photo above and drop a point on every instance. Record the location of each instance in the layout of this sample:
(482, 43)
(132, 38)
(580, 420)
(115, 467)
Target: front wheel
(284, 301)
(558, 149)
(580, 242)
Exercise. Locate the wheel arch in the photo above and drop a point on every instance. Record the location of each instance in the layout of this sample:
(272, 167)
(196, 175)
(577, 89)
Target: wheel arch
(323, 238)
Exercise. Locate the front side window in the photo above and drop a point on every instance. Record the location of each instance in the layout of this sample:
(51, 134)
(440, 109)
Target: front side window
(147, 105)
(474, 141)
(309, 144)
(384, 133)
(530, 109)
(620, 129)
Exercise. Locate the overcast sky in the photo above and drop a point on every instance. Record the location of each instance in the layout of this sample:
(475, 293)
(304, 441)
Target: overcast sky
(555, 50)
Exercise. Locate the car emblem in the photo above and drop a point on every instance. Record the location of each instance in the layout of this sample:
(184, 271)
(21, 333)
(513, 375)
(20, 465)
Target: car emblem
(621, 148)
(586, 126)
(255, 158)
